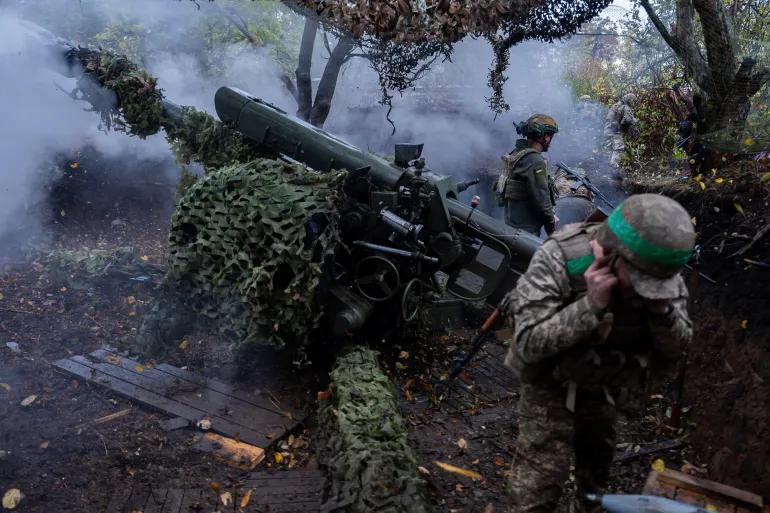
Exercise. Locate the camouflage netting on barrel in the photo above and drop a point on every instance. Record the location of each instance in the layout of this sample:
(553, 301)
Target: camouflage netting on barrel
(363, 442)
(246, 247)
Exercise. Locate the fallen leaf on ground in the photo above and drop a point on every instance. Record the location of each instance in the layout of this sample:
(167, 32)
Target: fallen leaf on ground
(44, 444)
(144, 258)
(323, 395)
(114, 360)
(12, 498)
(183, 345)
(739, 208)
(74, 165)
(5, 386)
(2, 296)
(29, 400)
(457, 470)
(204, 424)
(765, 178)
(745, 323)
(278, 457)
(499, 461)
(423, 470)
(462, 443)
(658, 465)
(216, 486)
(246, 498)
(226, 498)
(138, 367)
(131, 300)
(489, 508)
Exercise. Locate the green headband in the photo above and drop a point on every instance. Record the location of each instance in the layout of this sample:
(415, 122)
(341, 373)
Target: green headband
(644, 249)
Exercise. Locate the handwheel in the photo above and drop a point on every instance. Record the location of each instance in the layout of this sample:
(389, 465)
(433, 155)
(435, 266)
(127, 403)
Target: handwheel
(376, 278)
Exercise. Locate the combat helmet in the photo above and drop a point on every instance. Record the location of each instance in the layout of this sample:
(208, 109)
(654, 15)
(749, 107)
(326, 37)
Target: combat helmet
(537, 126)
(655, 235)
(585, 98)
(629, 98)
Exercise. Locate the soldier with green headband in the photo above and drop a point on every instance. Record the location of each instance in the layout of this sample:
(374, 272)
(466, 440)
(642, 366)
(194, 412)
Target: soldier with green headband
(599, 305)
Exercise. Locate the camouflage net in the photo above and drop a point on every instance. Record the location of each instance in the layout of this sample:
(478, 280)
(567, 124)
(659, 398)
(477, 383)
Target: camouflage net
(85, 268)
(363, 442)
(241, 253)
(138, 109)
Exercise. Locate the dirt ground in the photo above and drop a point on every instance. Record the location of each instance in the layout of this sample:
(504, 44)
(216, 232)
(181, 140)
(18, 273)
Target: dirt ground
(54, 453)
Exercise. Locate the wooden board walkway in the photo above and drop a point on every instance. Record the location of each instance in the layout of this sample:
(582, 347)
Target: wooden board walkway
(296, 491)
(247, 417)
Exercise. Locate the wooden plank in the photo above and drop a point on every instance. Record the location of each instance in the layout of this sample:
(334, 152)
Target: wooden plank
(118, 500)
(711, 487)
(203, 382)
(173, 501)
(160, 402)
(196, 394)
(233, 424)
(192, 501)
(155, 501)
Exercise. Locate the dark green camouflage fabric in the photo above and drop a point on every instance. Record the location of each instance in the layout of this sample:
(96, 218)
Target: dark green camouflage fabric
(363, 442)
(241, 253)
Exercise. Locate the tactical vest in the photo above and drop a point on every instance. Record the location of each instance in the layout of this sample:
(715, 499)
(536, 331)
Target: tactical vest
(618, 365)
(507, 186)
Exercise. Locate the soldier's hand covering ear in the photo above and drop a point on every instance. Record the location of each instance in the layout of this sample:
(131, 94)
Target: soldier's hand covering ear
(600, 280)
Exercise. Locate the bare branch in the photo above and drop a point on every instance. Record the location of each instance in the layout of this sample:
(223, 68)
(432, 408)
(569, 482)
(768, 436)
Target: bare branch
(304, 84)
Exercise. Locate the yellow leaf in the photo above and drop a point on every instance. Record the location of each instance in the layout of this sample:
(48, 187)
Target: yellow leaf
(12, 498)
(5, 386)
(144, 258)
(278, 457)
(2, 296)
(63, 289)
(748, 141)
(658, 465)
(114, 360)
(183, 345)
(462, 443)
(217, 487)
(403, 355)
(246, 498)
(131, 300)
(44, 444)
(711, 507)
(136, 511)
(138, 367)
(745, 323)
(765, 178)
(719, 180)
(131, 313)
(74, 165)
(204, 424)
(29, 400)
(457, 470)
(702, 185)
(694, 221)
(739, 208)
(226, 498)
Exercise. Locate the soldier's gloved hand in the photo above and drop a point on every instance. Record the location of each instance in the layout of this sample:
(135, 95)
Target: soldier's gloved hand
(600, 280)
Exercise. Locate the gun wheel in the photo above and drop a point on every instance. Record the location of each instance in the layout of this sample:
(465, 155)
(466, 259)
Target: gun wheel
(376, 278)
(411, 299)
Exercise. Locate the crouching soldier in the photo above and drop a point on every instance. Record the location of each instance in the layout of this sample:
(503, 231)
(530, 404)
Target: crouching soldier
(597, 304)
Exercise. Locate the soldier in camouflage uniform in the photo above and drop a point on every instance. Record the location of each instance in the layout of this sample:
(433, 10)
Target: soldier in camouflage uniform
(619, 123)
(597, 304)
(524, 187)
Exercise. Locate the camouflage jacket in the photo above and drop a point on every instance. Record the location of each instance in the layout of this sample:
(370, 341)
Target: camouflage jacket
(555, 322)
(524, 180)
(620, 119)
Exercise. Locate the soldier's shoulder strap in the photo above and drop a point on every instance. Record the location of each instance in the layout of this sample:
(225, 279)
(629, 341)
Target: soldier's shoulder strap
(573, 241)
(515, 157)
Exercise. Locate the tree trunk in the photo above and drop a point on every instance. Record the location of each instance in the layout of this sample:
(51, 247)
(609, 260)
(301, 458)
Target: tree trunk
(304, 92)
(328, 84)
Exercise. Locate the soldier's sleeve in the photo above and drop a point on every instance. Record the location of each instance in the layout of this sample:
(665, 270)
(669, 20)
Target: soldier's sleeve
(673, 331)
(538, 191)
(628, 119)
(543, 325)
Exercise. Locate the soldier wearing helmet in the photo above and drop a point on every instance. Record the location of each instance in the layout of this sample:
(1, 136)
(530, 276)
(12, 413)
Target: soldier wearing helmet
(598, 304)
(619, 123)
(524, 187)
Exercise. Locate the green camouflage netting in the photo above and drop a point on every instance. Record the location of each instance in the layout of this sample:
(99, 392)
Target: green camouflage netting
(239, 250)
(363, 442)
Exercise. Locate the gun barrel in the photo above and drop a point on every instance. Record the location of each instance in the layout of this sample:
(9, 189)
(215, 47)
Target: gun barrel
(276, 130)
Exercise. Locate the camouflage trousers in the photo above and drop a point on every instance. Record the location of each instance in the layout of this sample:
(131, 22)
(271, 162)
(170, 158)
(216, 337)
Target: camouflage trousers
(550, 437)
(616, 148)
